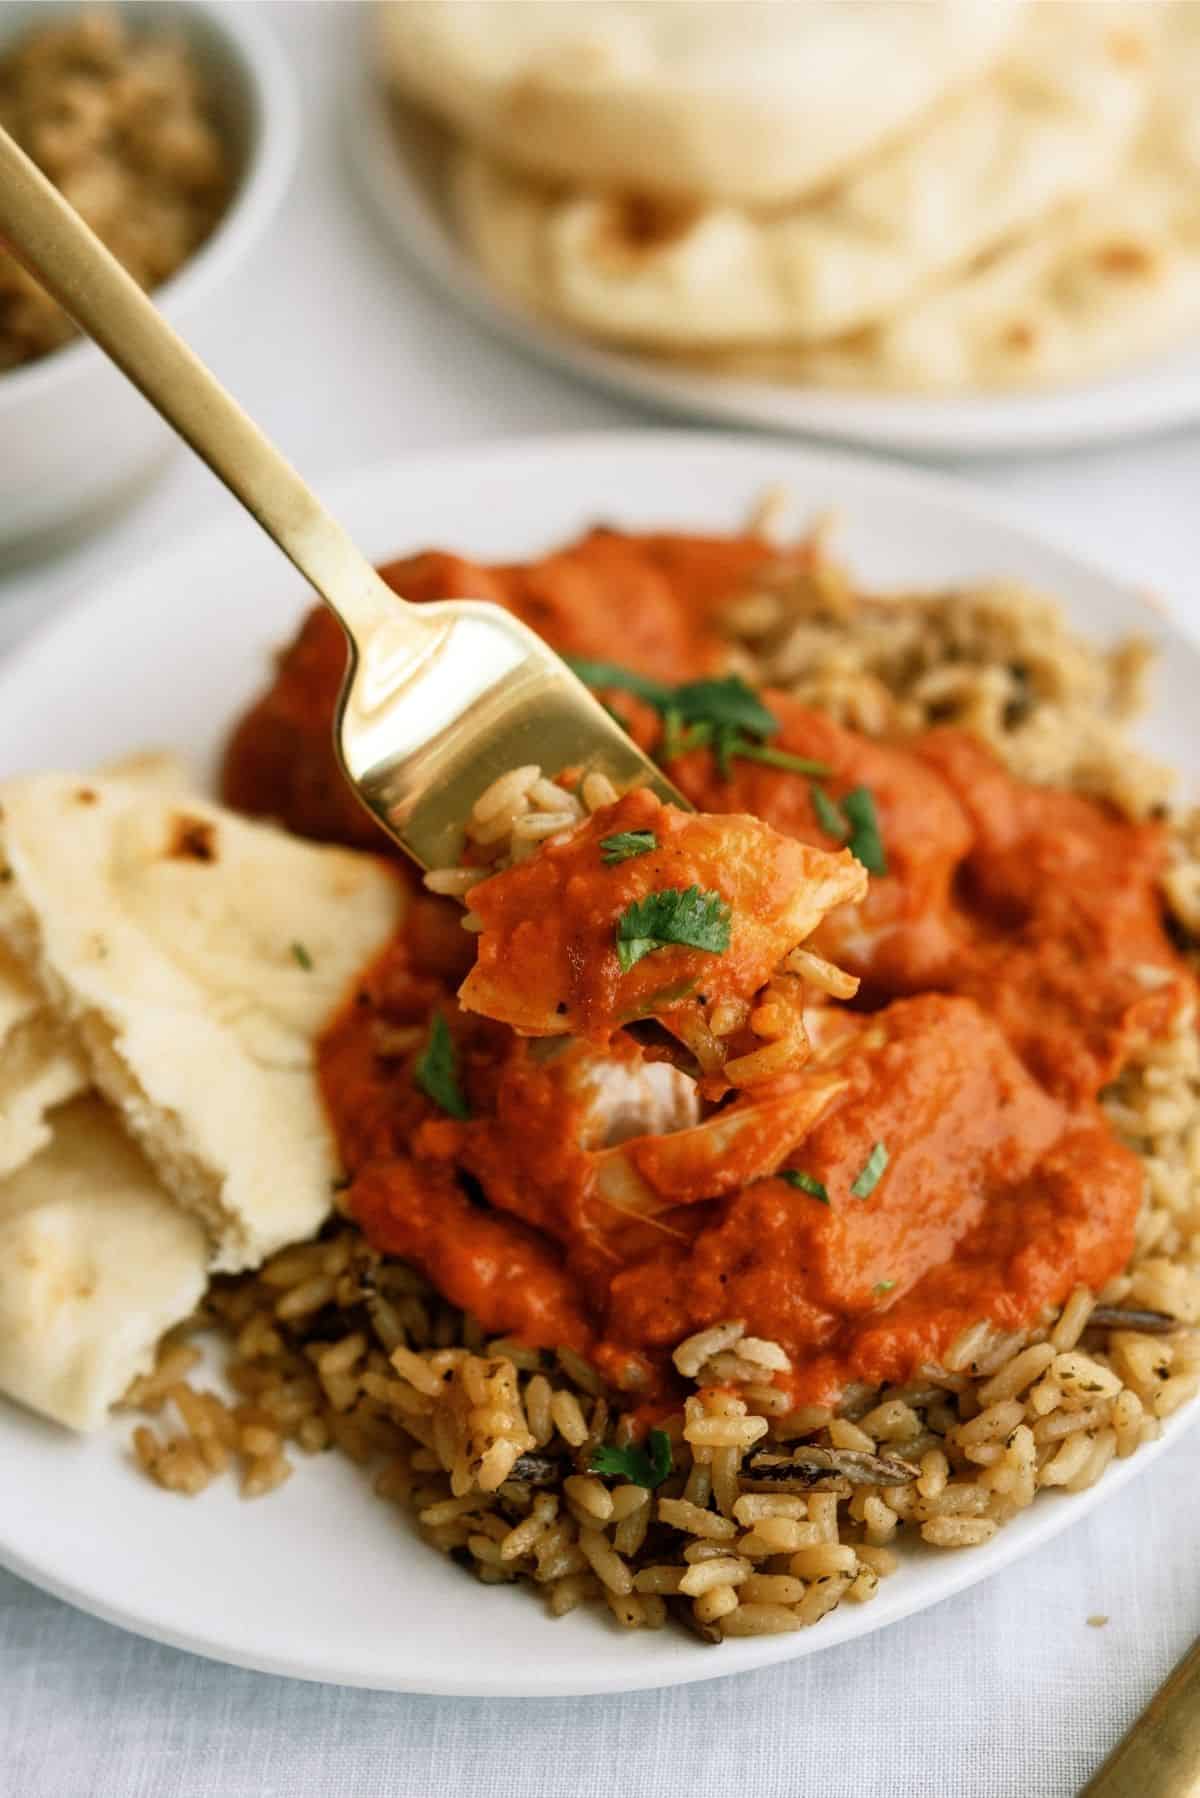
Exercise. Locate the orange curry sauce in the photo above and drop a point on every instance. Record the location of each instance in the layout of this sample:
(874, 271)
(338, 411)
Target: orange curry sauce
(1010, 958)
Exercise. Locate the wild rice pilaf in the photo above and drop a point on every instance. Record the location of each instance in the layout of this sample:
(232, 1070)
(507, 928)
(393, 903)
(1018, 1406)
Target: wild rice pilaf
(769, 1517)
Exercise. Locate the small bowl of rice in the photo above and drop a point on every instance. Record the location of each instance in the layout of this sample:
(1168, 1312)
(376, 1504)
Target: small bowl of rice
(172, 128)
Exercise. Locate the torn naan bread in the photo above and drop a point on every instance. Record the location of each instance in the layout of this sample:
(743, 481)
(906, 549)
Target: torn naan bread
(196, 957)
(1049, 126)
(40, 1065)
(1096, 288)
(755, 102)
(96, 1262)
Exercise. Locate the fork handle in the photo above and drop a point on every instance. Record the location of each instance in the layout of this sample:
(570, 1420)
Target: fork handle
(1160, 1756)
(68, 259)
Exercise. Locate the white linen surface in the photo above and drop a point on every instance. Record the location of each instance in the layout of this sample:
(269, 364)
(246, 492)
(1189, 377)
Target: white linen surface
(1004, 1692)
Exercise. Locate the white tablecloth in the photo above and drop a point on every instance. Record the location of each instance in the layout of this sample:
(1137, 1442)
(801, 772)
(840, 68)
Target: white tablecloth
(1006, 1692)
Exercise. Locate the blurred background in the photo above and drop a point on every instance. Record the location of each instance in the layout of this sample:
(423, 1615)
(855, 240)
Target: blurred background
(356, 304)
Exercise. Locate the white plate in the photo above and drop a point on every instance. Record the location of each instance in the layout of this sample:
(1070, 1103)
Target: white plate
(397, 164)
(321, 1580)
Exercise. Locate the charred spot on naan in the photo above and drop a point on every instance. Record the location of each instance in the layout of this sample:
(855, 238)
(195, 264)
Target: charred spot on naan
(634, 226)
(175, 971)
(1133, 260)
(191, 839)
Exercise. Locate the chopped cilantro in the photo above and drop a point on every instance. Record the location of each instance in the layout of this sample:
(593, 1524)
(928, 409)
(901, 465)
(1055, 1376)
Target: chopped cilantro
(436, 1070)
(865, 841)
(678, 737)
(724, 715)
(872, 1173)
(695, 919)
(724, 704)
(726, 741)
(301, 956)
(647, 1466)
(805, 1183)
(625, 845)
(776, 758)
(624, 680)
(728, 716)
(853, 821)
(827, 814)
(882, 1286)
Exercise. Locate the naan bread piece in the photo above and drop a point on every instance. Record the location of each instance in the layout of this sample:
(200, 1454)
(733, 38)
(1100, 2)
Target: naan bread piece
(1051, 125)
(754, 102)
(95, 1263)
(197, 957)
(40, 1065)
(160, 768)
(1094, 288)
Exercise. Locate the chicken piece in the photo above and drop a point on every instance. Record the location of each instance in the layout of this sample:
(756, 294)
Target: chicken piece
(625, 1097)
(939, 1183)
(1067, 945)
(744, 1142)
(645, 912)
(906, 931)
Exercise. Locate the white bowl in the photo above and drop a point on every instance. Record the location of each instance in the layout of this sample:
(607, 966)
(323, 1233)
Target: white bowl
(75, 437)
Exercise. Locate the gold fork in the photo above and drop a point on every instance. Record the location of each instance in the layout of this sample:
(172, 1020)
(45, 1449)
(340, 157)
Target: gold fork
(438, 699)
(1159, 1757)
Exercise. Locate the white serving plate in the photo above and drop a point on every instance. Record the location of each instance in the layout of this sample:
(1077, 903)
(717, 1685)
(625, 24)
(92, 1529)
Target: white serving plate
(320, 1580)
(397, 161)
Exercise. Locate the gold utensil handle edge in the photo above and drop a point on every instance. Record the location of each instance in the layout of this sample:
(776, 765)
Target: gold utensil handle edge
(1159, 1757)
(68, 259)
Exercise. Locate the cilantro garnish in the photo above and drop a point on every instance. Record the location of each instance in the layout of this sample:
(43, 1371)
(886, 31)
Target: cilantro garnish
(724, 715)
(729, 718)
(865, 841)
(882, 1286)
(436, 1070)
(624, 680)
(647, 1466)
(827, 814)
(625, 845)
(724, 704)
(726, 741)
(872, 1173)
(805, 1183)
(301, 956)
(678, 737)
(776, 758)
(852, 821)
(694, 919)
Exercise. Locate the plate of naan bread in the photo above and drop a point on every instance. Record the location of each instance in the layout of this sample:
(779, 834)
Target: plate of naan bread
(944, 228)
(655, 1242)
